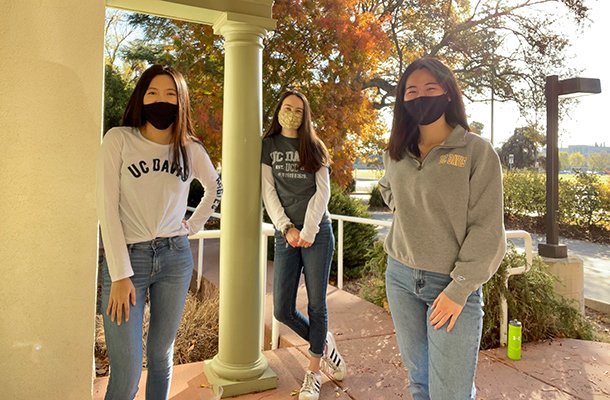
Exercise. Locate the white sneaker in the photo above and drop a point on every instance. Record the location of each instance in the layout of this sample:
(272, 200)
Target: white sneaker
(311, 386)
(333, 360)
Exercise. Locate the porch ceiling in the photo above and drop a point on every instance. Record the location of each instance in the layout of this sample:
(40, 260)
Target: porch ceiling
(200, 11)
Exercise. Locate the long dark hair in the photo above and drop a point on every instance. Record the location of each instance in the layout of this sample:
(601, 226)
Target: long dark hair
(183, 130)
(312, 151)
(405, 132)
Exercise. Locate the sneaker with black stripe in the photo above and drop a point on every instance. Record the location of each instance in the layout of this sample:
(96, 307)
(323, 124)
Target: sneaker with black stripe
(311, 386)
(333, 360)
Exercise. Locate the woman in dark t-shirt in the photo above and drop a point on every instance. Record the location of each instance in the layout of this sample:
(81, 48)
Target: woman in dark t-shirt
(296, 190)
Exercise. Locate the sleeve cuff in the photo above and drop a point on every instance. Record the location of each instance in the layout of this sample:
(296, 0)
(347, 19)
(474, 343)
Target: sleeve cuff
(457, 292)
(308, 236)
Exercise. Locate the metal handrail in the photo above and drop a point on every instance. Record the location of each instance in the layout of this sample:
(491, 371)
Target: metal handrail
(344, 218)
(269, 230)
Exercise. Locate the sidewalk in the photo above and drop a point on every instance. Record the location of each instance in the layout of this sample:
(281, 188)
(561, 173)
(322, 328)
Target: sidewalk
(559, 369)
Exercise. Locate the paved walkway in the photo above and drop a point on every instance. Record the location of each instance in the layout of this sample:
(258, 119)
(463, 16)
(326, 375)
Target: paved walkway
(560, 369)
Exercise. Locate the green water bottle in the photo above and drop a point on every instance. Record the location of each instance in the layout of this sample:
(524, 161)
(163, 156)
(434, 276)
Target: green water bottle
(514, 340)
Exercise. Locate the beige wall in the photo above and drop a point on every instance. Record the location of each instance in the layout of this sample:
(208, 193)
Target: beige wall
(51, 74)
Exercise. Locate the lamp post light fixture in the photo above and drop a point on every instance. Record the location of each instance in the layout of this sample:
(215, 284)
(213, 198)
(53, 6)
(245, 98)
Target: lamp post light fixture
(554, 88)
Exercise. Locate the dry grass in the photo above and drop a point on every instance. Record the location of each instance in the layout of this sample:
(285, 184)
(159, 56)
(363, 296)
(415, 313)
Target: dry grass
(601, 324)
(197, 337)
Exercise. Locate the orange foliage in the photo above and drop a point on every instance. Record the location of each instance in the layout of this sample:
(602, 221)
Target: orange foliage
(325, 48)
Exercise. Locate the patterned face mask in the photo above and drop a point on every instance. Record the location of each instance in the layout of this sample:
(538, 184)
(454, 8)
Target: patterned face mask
(289, 119)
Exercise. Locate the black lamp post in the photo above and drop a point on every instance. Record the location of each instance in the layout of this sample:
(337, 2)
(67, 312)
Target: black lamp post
(555, 88)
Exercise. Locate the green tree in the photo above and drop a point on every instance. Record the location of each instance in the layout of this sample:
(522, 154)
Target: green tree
(477, 127)
(564, 160)
(521, 147)
(599, 162)
(577, 160)
(116, 95)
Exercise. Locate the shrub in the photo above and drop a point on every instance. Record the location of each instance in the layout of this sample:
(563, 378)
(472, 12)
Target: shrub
(587, 200)
(376, 200)
(524, 193)
(351, 187)
(531, 299)
(374, 273)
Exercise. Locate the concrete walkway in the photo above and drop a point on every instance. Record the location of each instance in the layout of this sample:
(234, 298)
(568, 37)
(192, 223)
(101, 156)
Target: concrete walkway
(559, 369)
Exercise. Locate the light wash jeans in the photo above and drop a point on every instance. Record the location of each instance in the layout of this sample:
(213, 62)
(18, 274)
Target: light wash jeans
(162, 268)
(441, 364)
(315, 262)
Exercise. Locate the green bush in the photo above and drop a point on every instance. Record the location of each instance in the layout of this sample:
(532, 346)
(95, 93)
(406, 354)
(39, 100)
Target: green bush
(524, 193)
(376, 200)
(583, 201)
(358, 239)
(531, 299)
(374, 273)
(351, 187)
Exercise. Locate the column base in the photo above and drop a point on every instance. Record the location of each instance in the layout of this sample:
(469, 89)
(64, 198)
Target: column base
(268, 380)
(571, 280)
(553, 250)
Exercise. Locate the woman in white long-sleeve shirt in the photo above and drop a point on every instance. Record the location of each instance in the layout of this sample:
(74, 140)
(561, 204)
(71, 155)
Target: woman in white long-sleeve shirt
(296, 190)
(144, 171)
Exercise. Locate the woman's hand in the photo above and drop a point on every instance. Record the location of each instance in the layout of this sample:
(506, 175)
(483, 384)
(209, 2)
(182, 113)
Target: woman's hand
(120, 292)
(304, 243)
(292, 237)
(444, 308)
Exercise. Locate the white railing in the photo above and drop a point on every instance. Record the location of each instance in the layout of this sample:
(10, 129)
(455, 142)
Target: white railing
(269, 230)
(514, 271)
(341, 219)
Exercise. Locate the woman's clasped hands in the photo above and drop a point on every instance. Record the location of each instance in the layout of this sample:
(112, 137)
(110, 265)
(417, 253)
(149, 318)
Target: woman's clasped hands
(293, 238)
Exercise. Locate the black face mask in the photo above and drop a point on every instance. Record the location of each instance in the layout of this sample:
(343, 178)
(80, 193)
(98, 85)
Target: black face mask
(160, 115)
(426, 110)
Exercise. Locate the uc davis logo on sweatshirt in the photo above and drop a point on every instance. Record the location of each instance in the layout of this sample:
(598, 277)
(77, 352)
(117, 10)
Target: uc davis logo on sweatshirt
(452, 159)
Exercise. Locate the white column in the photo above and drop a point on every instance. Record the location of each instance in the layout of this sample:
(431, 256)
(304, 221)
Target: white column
(240, 367)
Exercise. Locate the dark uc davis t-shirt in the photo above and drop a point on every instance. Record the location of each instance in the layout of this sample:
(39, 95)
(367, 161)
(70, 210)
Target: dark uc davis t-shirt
(294, 187)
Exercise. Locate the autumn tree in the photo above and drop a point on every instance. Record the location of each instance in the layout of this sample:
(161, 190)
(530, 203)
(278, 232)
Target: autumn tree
(599, 162)
(497, 48)
(577, 160)
(347, 56)
(325, 49)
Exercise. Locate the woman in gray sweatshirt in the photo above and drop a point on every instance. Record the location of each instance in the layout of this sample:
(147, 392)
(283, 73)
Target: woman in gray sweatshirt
(444, 185)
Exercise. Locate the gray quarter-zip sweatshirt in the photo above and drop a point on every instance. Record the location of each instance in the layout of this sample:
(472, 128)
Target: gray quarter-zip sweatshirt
(448, 211)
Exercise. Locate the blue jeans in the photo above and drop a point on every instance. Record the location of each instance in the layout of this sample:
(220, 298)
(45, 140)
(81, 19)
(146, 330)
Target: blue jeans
(314, 262)
(162, 268)
(441, 364)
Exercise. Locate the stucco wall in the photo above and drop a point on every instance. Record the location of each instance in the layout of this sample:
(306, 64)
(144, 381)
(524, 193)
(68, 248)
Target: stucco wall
(51, 74)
